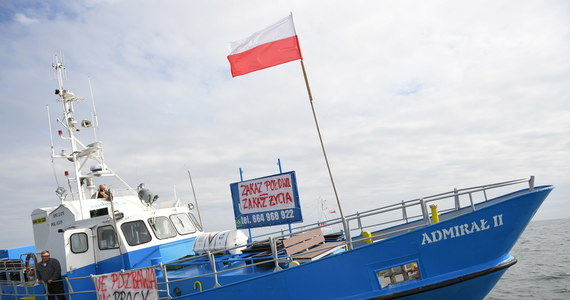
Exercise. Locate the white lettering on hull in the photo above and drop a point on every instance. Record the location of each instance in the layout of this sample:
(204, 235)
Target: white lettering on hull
(461, 230)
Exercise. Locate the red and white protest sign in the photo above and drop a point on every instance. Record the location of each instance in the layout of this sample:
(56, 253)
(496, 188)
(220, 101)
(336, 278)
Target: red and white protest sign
(266, 201)
(129, 285)
(266, 194)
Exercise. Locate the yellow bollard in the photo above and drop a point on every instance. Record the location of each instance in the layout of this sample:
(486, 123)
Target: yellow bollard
(367, 234)
(434, 214)
(294, 263)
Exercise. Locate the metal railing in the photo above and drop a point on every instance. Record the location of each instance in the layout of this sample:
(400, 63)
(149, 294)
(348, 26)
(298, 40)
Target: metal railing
(405, 216)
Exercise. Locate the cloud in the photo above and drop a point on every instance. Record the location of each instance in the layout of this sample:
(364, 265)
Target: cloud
(21, 18)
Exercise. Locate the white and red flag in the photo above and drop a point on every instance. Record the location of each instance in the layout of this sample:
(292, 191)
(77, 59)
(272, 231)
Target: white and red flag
(274, 45)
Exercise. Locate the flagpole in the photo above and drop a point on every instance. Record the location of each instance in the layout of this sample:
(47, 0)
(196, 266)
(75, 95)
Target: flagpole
(344, 224)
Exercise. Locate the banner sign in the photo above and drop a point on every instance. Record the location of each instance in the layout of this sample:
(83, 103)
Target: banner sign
(266, 201)
(133, 285)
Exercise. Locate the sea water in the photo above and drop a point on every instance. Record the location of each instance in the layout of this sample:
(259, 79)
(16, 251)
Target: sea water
(543, 268)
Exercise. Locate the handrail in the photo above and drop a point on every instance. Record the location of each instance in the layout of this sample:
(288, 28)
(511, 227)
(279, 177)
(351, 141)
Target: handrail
(407, 220)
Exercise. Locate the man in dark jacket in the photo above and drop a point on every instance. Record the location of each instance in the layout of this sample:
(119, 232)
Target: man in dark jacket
(49, 272)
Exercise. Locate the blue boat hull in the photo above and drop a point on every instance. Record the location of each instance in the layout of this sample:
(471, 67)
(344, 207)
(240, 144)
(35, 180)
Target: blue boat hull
(465, 255)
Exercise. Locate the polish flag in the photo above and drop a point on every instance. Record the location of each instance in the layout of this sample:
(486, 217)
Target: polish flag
(274, 45)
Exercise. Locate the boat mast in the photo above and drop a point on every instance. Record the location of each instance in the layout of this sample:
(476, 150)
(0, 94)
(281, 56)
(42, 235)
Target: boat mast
(67, 98)
(82, 178)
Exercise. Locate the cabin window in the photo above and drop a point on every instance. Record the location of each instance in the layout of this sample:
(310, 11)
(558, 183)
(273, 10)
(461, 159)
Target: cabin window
(78, 242)
(182, 223)
(162, 227)
(398, 274)
(136, 233)
(99, 212)
(107, 238)
(196, 223)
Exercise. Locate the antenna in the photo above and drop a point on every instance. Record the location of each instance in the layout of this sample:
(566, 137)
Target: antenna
(52, 147)
(63, 63)
(195, 199)
(57, 66)
(177, 203)
(95, 119)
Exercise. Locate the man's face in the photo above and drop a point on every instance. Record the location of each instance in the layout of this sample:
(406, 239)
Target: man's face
(45, 257)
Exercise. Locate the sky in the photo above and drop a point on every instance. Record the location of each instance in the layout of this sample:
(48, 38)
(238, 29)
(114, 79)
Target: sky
(413, 98)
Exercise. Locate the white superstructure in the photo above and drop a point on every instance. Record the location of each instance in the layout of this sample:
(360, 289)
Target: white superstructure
(126, 229)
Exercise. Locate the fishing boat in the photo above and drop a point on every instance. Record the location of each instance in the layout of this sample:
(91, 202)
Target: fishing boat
(450, 245)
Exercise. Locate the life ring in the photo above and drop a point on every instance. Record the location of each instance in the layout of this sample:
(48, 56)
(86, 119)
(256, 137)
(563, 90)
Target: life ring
(30, 270)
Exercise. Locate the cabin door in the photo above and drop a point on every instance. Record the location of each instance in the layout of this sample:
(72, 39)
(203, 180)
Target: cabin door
(80, 252)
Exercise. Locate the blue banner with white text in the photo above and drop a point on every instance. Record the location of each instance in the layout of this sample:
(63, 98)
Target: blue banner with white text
(266, 201)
